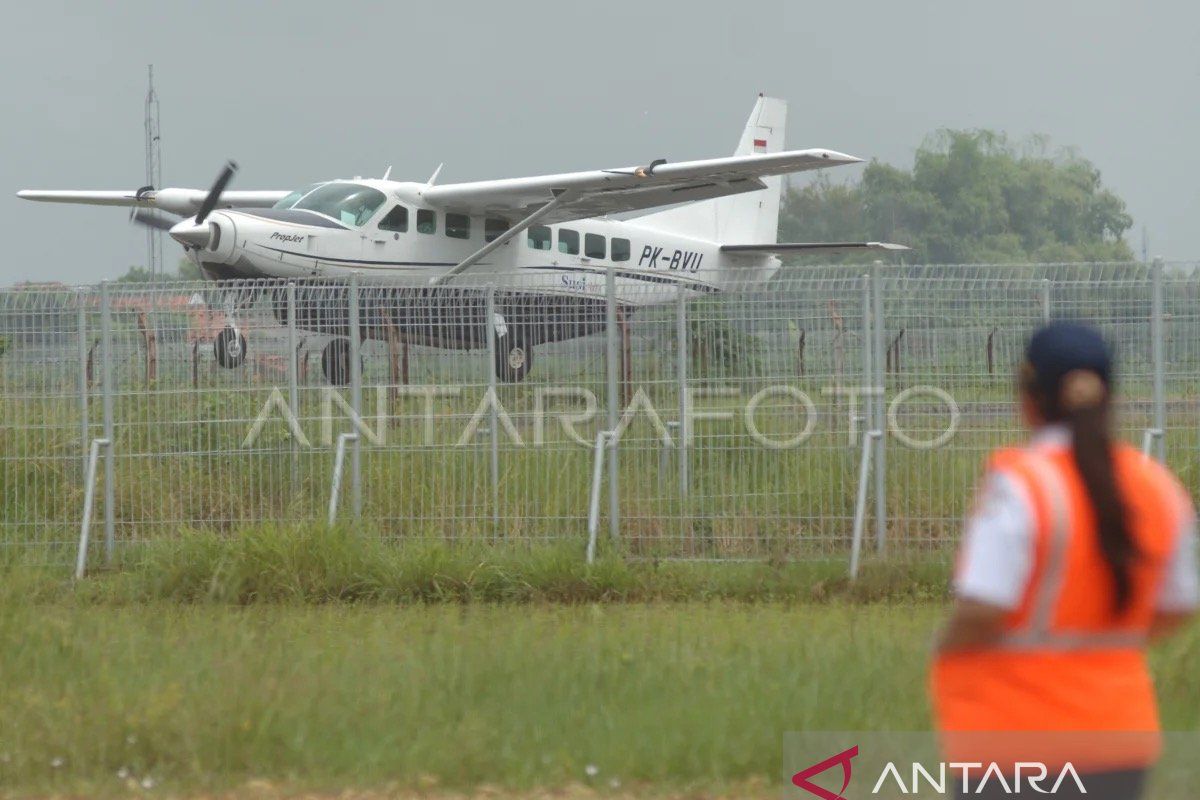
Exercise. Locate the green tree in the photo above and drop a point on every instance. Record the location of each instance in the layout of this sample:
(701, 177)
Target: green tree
(188, 271)
(970, 197)
(135, 274)
(185, 271)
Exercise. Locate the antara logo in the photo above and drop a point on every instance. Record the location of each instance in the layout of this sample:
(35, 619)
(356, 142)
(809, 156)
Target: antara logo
(968, 778)
(801, 778)
(287, 237)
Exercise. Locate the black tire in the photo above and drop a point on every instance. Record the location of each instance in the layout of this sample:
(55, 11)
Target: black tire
(335, 362)
(514, 357)
(229, 348)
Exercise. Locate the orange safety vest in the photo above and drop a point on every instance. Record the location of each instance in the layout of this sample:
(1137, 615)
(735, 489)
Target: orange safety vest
(1065, 663)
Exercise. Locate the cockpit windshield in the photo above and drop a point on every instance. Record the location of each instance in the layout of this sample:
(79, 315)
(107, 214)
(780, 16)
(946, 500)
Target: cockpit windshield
(348, 203)
(292, 197)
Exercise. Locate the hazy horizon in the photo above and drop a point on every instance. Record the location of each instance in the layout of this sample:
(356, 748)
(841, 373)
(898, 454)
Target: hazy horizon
(306, 91)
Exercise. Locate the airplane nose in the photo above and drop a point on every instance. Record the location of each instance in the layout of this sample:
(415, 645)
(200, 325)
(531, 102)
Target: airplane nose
(189, 234)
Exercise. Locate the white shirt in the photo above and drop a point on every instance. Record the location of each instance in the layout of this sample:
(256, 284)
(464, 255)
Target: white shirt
(996, 558)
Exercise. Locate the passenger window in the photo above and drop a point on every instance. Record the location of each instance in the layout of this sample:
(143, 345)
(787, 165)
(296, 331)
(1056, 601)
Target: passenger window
(396, 220)
(620, 250)
(568, 241)
(539, 237)
(593, 245)
(492, 228)
(426, 221)
(458, 226)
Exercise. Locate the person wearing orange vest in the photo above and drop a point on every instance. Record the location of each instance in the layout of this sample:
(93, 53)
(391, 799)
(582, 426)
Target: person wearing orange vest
(1078, 552)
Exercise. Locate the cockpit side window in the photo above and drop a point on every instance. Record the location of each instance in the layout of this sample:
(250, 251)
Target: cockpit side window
(349, 203)
(396, 220)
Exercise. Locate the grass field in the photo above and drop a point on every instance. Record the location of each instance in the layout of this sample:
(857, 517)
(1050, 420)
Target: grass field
(207, 698)
(259, 667)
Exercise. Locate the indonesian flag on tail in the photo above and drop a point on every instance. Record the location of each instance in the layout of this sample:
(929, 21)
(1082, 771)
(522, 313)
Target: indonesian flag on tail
(760, 145)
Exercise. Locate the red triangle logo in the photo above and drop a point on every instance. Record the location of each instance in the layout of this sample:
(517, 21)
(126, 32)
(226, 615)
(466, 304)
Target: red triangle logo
(801, 778)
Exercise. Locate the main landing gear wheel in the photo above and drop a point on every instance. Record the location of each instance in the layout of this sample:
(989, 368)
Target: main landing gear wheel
(229, 348)
(335, 362)
(514, 358)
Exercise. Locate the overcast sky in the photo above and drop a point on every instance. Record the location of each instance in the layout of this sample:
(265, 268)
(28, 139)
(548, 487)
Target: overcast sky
(303, 91)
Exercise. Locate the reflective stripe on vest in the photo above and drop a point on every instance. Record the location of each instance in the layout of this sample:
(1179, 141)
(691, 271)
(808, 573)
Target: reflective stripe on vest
(1038, 632)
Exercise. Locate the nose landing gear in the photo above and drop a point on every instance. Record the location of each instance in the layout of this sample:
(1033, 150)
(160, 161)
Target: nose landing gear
(229, 348)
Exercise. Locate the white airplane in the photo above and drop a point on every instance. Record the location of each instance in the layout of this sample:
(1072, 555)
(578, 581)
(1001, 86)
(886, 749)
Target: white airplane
(500, 232)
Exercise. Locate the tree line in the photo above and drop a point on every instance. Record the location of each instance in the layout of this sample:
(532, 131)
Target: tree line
(971, 197)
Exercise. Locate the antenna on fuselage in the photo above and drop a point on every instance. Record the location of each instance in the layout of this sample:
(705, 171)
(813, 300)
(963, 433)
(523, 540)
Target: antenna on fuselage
(387, 173)
(436, 172)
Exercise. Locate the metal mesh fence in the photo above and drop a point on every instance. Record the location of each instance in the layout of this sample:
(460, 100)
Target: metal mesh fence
(738, 415)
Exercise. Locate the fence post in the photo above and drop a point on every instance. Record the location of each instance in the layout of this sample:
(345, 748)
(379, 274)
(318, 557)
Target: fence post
(1045, 299)
(355, 397)
(81, 299)
(867, 415)
(614, 400)
(1156, 348)
(1150, 439)
(681, 373)
(293, 378)
(335, 483)
(106, 394)
(89, 496)
(879, 408)
(860, 500)
(602, 439)
(866, 418)
(494, 420)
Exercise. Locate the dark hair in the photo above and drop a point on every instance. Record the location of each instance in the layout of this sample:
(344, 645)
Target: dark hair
(1080, 399)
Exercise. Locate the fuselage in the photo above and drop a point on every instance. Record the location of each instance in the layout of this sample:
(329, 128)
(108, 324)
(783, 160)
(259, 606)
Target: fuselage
(384, 231)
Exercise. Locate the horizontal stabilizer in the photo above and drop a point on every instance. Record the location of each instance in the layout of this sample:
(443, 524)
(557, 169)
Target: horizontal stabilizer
(779, 248)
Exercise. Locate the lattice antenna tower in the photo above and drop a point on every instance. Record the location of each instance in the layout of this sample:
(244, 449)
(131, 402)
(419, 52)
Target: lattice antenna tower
(153, 176)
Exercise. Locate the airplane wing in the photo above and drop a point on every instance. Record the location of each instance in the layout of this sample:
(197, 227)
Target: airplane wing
(184, 202)
(607, 191)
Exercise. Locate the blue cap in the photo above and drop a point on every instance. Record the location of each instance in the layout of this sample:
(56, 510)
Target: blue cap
(1060, 347)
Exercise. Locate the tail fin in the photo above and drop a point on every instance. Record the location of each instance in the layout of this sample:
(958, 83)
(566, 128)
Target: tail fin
(750, 218)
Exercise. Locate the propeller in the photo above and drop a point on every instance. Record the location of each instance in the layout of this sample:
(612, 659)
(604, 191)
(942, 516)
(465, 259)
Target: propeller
(154, 219)
(214, 194)
(191, 233)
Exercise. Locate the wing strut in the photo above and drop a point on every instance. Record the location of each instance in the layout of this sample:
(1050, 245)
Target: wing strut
(559, 198)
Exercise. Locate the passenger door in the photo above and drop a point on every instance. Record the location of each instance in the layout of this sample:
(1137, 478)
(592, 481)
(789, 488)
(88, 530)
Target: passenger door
(386, 239)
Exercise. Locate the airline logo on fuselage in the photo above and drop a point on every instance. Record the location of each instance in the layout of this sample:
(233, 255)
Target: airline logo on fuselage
(575, 283)
(682, 260)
